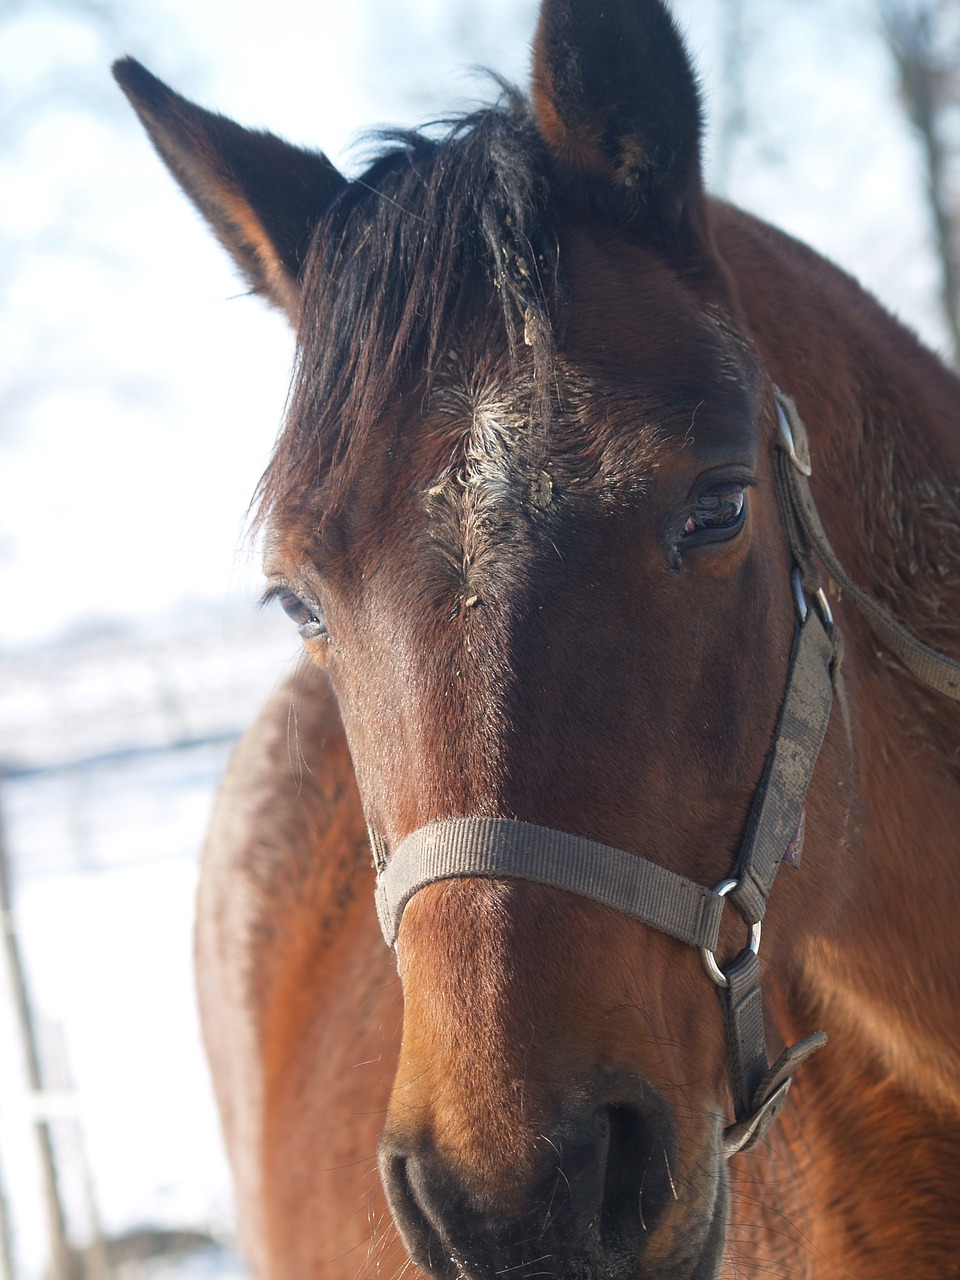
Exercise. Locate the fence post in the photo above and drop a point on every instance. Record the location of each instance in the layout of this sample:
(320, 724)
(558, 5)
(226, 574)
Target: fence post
(7, 1270)
(59, 1247)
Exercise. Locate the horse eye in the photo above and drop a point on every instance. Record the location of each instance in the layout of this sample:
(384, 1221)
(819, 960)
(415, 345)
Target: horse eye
(720, 509)
(308, 617)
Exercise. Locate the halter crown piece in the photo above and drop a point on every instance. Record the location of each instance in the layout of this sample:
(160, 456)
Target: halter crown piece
(500, 848)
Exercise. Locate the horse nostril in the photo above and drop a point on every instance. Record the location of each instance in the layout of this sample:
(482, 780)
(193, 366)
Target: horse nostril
(638, 1180)
(419, 1235)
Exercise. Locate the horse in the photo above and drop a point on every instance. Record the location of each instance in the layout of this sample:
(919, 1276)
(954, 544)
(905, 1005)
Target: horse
(622, 533)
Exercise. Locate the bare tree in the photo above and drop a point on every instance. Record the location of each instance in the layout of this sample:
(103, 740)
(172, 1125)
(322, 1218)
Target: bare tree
(734, 120)
(923, 37)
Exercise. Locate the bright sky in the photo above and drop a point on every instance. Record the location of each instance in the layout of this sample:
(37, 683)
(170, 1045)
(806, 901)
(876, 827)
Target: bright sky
(141, 394)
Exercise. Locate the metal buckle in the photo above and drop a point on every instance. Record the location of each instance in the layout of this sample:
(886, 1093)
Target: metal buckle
(709, 960)
(800, 600)
(786, 435)
(746, 1134)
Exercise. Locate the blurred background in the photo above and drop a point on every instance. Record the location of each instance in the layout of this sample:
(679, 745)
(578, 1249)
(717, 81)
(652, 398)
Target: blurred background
(140, 394)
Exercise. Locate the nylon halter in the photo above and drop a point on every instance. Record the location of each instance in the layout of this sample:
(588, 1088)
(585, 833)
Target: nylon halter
(501, 848)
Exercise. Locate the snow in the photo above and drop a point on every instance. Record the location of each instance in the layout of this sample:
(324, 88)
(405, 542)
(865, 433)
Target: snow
(105, 807)
(195, 675)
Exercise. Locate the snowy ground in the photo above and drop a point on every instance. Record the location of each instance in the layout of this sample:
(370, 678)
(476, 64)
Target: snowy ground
(105, 819)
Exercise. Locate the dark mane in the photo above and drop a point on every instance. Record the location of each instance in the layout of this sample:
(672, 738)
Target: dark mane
(433, 234)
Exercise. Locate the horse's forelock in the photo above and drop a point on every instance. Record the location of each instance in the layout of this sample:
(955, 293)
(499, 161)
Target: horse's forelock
(436, 234)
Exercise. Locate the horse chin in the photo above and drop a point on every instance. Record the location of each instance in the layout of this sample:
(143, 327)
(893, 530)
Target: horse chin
(708, 1251)
(707, 1266)
(685, 1246)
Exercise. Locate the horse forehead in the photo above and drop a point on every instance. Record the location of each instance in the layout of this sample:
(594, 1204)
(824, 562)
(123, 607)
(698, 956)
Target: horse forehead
(603, 440)
(497, 436)
(488, 420)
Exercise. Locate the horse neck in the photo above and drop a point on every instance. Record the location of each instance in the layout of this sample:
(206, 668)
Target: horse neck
(851, 1182)
(883, 417)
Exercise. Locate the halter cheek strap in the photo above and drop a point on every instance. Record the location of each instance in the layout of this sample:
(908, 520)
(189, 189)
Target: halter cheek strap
(500, 848)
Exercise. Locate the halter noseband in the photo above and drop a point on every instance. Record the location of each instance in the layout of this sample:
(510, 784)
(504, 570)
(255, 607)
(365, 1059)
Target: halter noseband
(500, 848)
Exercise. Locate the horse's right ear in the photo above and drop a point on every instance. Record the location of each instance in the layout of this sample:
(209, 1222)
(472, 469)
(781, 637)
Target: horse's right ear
(617, 104)
(262, 196)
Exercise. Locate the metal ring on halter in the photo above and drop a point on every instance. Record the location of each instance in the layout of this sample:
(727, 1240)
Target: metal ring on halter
(714, 972)
(800, 600)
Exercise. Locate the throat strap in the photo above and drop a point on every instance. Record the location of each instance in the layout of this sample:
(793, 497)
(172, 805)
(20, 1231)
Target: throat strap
(807, 535)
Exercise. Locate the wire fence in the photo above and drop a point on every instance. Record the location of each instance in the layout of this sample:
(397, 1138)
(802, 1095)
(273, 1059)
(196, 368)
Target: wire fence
(110, 1161)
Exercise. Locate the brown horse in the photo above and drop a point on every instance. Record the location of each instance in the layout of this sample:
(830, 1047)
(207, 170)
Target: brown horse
(542, 514)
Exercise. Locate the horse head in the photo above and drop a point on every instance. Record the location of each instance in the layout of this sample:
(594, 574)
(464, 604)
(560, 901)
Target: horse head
(524, 512)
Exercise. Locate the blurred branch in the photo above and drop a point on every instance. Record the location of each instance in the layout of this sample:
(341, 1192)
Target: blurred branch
(923, 39)
(734, 122)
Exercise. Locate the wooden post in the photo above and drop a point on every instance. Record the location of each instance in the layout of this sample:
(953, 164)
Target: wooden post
(56, 1224)
(7, 1267)
(93, 1261)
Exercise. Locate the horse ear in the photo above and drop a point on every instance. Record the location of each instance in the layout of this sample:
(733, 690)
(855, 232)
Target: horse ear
(262, 196)
(617, 103)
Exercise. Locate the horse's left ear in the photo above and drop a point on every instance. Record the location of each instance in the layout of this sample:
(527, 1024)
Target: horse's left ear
(262, 196)
(617, 103)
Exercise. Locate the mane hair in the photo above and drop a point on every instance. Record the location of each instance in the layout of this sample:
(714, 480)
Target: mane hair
(434, 235)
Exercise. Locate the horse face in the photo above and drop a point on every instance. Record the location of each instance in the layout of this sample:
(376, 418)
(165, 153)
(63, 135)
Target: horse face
(584, 625)
(549, 582)
(578, 616)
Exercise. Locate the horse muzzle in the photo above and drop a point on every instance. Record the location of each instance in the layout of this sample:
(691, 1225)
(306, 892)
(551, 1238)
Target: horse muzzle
(603, 1197)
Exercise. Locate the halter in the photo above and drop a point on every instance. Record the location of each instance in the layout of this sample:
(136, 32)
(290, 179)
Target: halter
(500, 848)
